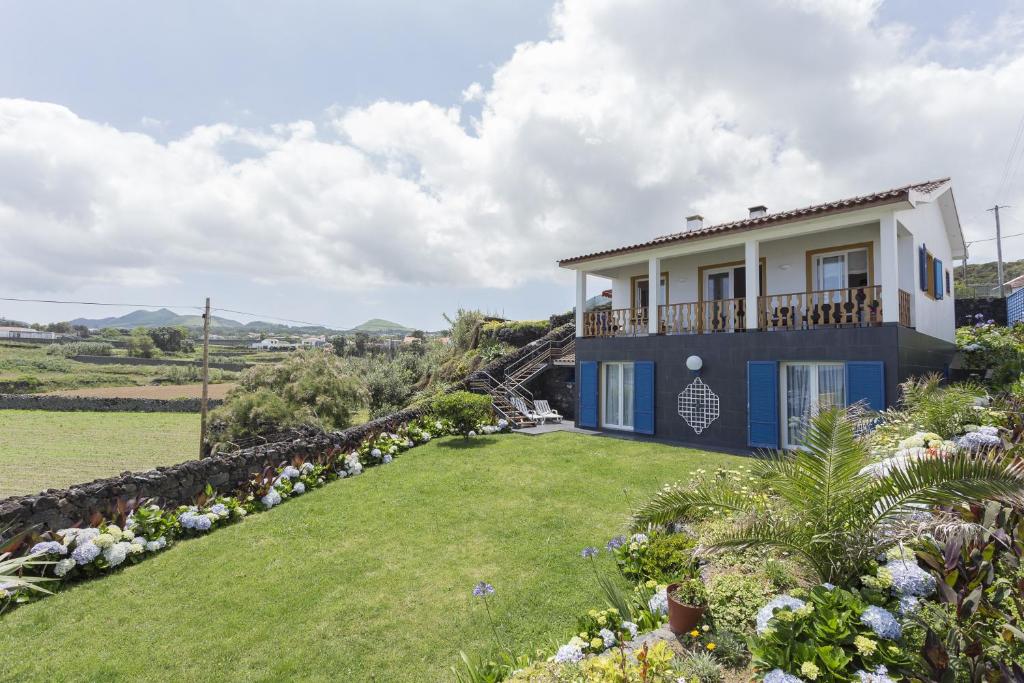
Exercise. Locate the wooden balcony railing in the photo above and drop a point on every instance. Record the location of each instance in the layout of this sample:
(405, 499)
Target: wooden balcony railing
(856, 306)
(722, 315)
(905, 308)
(617, 322)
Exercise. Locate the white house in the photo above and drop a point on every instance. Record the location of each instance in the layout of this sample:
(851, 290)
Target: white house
(831, 303)
(24, 333)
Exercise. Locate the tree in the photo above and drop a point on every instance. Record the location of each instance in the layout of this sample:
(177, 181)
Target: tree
(338, 342)
(827, 509)
(140, 344)
(360, 344)
(171, 339)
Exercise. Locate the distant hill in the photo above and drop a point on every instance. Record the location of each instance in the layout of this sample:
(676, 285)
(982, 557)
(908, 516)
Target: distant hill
(159, 318)
(379, 326)
(981, 277)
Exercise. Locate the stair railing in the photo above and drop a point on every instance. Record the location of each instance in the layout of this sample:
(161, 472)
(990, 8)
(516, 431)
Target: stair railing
(541, 355)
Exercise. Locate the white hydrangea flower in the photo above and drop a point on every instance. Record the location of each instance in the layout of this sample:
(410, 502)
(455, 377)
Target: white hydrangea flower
(116, 554)
(103, 541)
(306, 468)
(63, 567)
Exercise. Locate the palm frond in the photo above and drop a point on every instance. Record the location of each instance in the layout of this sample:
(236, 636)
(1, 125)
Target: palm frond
(771, 534)
(956, 479)
(677, 502)
(11, 573)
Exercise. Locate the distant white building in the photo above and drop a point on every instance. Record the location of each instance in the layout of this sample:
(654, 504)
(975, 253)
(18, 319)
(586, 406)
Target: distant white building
(25, 333)
(266, 345)
(317, 342)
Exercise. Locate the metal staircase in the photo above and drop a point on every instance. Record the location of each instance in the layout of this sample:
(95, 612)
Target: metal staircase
(561, 352)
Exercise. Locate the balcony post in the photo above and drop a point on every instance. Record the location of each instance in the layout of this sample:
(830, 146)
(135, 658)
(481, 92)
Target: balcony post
(653, 292)
(581, 301)
(889, 278)
(752, 264)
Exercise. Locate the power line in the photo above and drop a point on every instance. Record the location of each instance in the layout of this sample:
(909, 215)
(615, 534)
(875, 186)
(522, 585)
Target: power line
(94, 303)
(270, 317)
(1009, 167)
(993, 239)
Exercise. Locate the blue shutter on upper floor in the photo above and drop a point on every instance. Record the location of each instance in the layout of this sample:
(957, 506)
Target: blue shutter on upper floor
(922, 265)
(865, 381)
(939, 289)
(643, 397)
(763, 404)
(588, 394)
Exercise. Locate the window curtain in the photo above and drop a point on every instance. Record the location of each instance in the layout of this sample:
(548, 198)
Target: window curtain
(798, 401)
(831, 385)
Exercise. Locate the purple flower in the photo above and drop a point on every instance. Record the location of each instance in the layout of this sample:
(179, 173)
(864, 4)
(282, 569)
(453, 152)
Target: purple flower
(616, 543)
(483, 589)
(589, 551)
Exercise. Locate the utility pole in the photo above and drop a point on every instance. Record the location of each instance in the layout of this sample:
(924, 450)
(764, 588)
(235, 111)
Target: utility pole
(999, 250)
(206, 377)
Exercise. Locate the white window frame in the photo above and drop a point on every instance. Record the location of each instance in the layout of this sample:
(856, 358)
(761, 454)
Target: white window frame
(622, 407)
(813, 383)
(845, 253)
(662, 290)
(729, 271)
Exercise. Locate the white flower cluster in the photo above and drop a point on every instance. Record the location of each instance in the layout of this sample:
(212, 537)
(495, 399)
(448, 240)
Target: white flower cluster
(658, 604)
(110, 542)
(352, 466)
(571, 652)
(193, 518)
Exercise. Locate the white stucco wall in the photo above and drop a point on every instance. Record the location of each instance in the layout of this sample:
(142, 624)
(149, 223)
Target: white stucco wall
(933, 317)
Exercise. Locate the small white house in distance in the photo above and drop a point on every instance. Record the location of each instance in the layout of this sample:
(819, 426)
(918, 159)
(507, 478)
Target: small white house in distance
(266, 345)
(317, 342)
(25, 333)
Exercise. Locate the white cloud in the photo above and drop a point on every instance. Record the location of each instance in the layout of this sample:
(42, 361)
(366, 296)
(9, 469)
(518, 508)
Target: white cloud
(630, 116)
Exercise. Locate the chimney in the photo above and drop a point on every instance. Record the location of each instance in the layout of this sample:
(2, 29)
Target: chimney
(758, 211)
(694, 222)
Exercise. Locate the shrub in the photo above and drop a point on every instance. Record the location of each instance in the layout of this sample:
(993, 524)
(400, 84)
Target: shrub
(988, 347)
(702, 667)
(731, 649)
(20, 385)
(171, 339)
(309, 387)
(465, 410)
(140, 345)
(80, 349)
(656, 556)
(733, 600)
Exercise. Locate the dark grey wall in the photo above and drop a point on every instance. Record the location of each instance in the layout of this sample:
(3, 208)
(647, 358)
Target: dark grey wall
(557, 385)
(991, 308)
(725, 357)
(129, 360)
(101, 404)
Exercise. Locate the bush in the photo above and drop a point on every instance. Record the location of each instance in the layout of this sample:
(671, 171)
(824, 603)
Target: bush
(464, 409)
(731, 649)
(702, 667)
(515, 332)
(80, 349)
(733, 601)
(171, 339)
(309, 387)
(140, 345)
(656, 556)
(990, 347)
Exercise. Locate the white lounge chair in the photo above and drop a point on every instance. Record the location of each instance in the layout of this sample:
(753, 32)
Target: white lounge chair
(520, 405)
(546, 411)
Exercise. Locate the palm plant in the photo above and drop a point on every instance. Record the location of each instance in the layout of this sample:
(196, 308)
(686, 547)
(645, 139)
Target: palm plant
(826, 509)
(12, 577)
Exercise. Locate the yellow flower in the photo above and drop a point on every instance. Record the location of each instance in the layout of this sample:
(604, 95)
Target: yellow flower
(597, 644)
(810, 670)
(694, 633)
(711, 646)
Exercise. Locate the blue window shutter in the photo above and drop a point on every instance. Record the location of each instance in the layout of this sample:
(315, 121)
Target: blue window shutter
(588, 393)
(643, 397)
(922, 265)
(938, 279)
(865, 381)
(763, 404)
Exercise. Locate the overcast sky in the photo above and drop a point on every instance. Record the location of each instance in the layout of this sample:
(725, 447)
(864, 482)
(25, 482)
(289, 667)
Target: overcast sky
(337, 161)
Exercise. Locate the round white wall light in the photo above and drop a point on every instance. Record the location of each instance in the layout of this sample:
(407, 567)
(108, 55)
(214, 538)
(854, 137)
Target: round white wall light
(694, 363)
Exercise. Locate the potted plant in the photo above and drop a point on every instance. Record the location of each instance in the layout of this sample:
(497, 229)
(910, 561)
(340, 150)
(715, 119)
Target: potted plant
(687, 600)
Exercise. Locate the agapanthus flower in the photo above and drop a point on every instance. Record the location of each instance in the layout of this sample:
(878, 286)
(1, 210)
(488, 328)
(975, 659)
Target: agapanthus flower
(483, 589)
(765, 614)
(49, 548)
(658, 604)
(828, 586)
(63, 567)
(84, 553)
(615, 543)
(882, 622)
(571, 652)
(299, 488)
(909, 579)
(589, 551)
(780, 676)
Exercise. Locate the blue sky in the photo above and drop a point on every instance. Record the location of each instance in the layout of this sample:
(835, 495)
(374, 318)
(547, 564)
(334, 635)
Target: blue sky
(333, 161)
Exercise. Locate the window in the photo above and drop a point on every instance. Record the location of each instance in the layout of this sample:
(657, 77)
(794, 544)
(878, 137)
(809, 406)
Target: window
(617, 406)
(947, 281)
(934, 279)
(841, 269)
(640, 296)
(806, 389)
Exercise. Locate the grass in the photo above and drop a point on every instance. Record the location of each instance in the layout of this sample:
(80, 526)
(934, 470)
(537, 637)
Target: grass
(367, 579)
(41, 449)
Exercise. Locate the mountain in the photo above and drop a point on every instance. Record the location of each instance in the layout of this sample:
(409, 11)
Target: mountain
(378, 326)
(981, 277)
(159, 318)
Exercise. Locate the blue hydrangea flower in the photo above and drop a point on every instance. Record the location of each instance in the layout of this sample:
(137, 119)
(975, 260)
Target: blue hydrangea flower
(909, 579)
(589, 551)
(607, 636)
(979, 440)
(765, 614)
(299, 488)
(387, 458)
(616, 543)
(306, 468)
(219, 509)
(658, 604)
(880, 675)
(780, 676)
(908, 603)
(631, 627)
(202, 522)
(49, 548)
(882, 622)
(85, 552)
(483, 589)
(570, 653)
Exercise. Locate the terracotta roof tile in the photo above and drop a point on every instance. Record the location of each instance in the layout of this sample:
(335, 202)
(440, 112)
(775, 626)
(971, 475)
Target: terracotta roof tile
(851, 203)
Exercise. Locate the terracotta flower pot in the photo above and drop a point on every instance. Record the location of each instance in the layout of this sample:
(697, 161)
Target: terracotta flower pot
(681, 618)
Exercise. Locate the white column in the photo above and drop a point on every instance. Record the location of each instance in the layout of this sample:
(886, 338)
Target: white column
(653, 292)
(752, 263)
(889, 276)
(581, 300)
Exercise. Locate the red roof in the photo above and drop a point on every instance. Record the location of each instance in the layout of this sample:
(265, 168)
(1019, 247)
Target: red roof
(863, 201)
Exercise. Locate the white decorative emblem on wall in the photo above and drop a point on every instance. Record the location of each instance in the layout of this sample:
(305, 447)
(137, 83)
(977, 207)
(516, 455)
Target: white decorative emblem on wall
(698, 405)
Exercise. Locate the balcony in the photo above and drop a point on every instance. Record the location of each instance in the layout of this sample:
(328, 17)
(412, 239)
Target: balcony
(851, 307)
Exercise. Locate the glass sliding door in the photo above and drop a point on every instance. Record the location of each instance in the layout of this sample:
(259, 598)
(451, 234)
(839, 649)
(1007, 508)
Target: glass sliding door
(807, 389)
(617, 406)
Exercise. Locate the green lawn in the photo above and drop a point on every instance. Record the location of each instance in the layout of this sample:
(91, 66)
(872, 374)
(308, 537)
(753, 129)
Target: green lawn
(365, 579)
(40, 449)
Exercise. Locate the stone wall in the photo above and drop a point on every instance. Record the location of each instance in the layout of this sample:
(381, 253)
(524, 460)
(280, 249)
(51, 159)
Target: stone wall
(557, 386)
(129, 360)
(991, 308)
(55, 509)
(101, 404)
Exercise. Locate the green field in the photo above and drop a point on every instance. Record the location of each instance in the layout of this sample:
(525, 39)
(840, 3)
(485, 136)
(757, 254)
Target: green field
(42, 449)
(367, 579)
